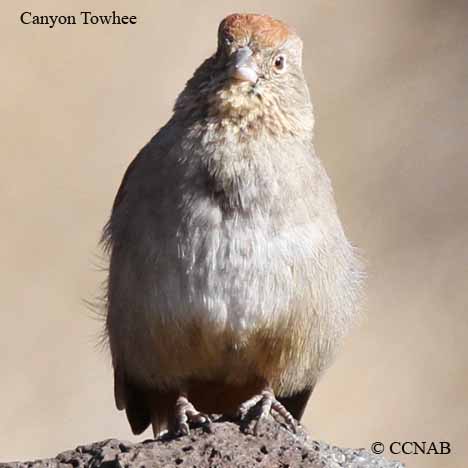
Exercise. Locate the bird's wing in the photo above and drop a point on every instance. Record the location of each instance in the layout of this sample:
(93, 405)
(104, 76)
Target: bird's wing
(143, 406)
(131, 398)
(106, 238)
(121, 193)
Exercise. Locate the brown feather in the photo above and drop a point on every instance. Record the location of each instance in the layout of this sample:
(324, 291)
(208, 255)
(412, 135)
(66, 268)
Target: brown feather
(137, 408)
(296, 403)
(143, 406)
(119, 388)
(220, 397)
(261, 30)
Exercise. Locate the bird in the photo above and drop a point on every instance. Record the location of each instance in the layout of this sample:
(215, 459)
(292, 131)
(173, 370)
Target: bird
(230, 279)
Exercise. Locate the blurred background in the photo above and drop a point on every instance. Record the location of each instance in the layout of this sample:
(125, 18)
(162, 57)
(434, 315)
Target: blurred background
(389, 80)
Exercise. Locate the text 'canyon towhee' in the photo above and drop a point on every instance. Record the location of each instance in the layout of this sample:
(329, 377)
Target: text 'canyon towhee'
(230, 279)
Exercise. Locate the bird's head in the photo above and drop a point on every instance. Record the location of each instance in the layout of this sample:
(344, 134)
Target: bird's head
(256, 49)
(254, 81)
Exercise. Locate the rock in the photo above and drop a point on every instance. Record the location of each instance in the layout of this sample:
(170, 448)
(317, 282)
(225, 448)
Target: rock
(226, 446)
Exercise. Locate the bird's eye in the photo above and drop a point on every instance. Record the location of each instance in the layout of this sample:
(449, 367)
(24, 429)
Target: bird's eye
(280, 63)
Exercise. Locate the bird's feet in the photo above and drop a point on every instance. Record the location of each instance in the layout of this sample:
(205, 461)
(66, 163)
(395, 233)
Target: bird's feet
(186, 414)
(261, 406)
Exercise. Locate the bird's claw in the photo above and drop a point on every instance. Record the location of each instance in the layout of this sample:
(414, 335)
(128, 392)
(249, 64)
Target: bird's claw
(265, 404)
(187, 415)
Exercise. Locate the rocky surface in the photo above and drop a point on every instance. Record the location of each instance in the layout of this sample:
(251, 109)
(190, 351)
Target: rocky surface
(226, 446)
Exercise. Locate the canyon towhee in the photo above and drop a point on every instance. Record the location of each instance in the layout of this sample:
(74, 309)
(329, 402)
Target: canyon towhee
(230, 278)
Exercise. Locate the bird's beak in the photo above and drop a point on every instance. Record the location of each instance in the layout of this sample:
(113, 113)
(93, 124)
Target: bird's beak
(243, 67)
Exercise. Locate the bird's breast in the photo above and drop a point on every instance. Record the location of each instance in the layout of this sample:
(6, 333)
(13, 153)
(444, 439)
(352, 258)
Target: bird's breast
(242, 274)
(246, 241)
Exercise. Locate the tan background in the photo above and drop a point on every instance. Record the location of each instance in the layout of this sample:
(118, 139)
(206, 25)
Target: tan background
(389, 80)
